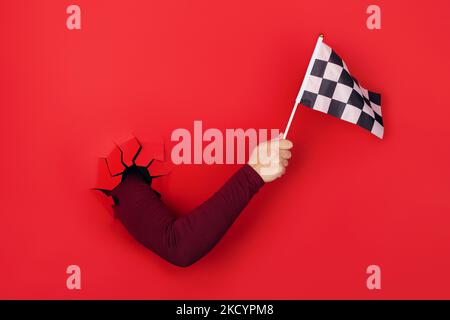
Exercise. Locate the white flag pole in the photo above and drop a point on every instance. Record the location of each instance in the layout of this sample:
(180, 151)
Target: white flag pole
(302, 87)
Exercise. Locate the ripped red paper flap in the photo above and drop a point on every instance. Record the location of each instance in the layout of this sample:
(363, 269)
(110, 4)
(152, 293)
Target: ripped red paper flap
(151, 150)
(159, 168)
(104, 179)
(130, 150)
(114, 162)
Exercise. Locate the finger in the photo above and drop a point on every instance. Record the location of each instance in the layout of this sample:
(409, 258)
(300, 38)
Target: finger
(276, 138)
(285, 144)
(284, 162)
(285, 154)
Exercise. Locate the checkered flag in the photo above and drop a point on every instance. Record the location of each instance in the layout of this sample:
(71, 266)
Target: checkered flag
(330, 88)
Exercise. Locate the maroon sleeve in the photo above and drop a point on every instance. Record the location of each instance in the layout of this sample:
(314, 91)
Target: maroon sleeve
(182, 240)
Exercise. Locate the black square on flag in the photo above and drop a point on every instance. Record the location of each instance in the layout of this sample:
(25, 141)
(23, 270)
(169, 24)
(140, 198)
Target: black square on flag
(356, 100)
(336, 108)
(309, 99)
(318, 69)
(365, 121)
(327, 88)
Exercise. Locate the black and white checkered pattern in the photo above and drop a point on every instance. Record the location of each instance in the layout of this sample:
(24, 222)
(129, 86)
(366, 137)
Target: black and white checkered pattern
(331, 89)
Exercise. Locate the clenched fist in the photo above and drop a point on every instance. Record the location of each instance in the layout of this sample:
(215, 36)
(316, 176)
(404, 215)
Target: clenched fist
(270, 158)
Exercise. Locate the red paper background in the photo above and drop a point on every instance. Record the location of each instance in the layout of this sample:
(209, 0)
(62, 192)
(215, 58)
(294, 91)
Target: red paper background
(349, 199)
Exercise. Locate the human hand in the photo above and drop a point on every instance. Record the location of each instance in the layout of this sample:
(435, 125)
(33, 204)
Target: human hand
(270, 158)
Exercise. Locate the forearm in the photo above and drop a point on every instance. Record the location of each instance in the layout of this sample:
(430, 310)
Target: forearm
(201, 229)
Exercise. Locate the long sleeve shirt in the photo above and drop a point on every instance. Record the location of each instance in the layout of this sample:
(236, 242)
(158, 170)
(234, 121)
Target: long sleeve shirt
(185, 239)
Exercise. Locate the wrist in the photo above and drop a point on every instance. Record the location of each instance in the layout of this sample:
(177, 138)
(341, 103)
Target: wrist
(257, 168)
